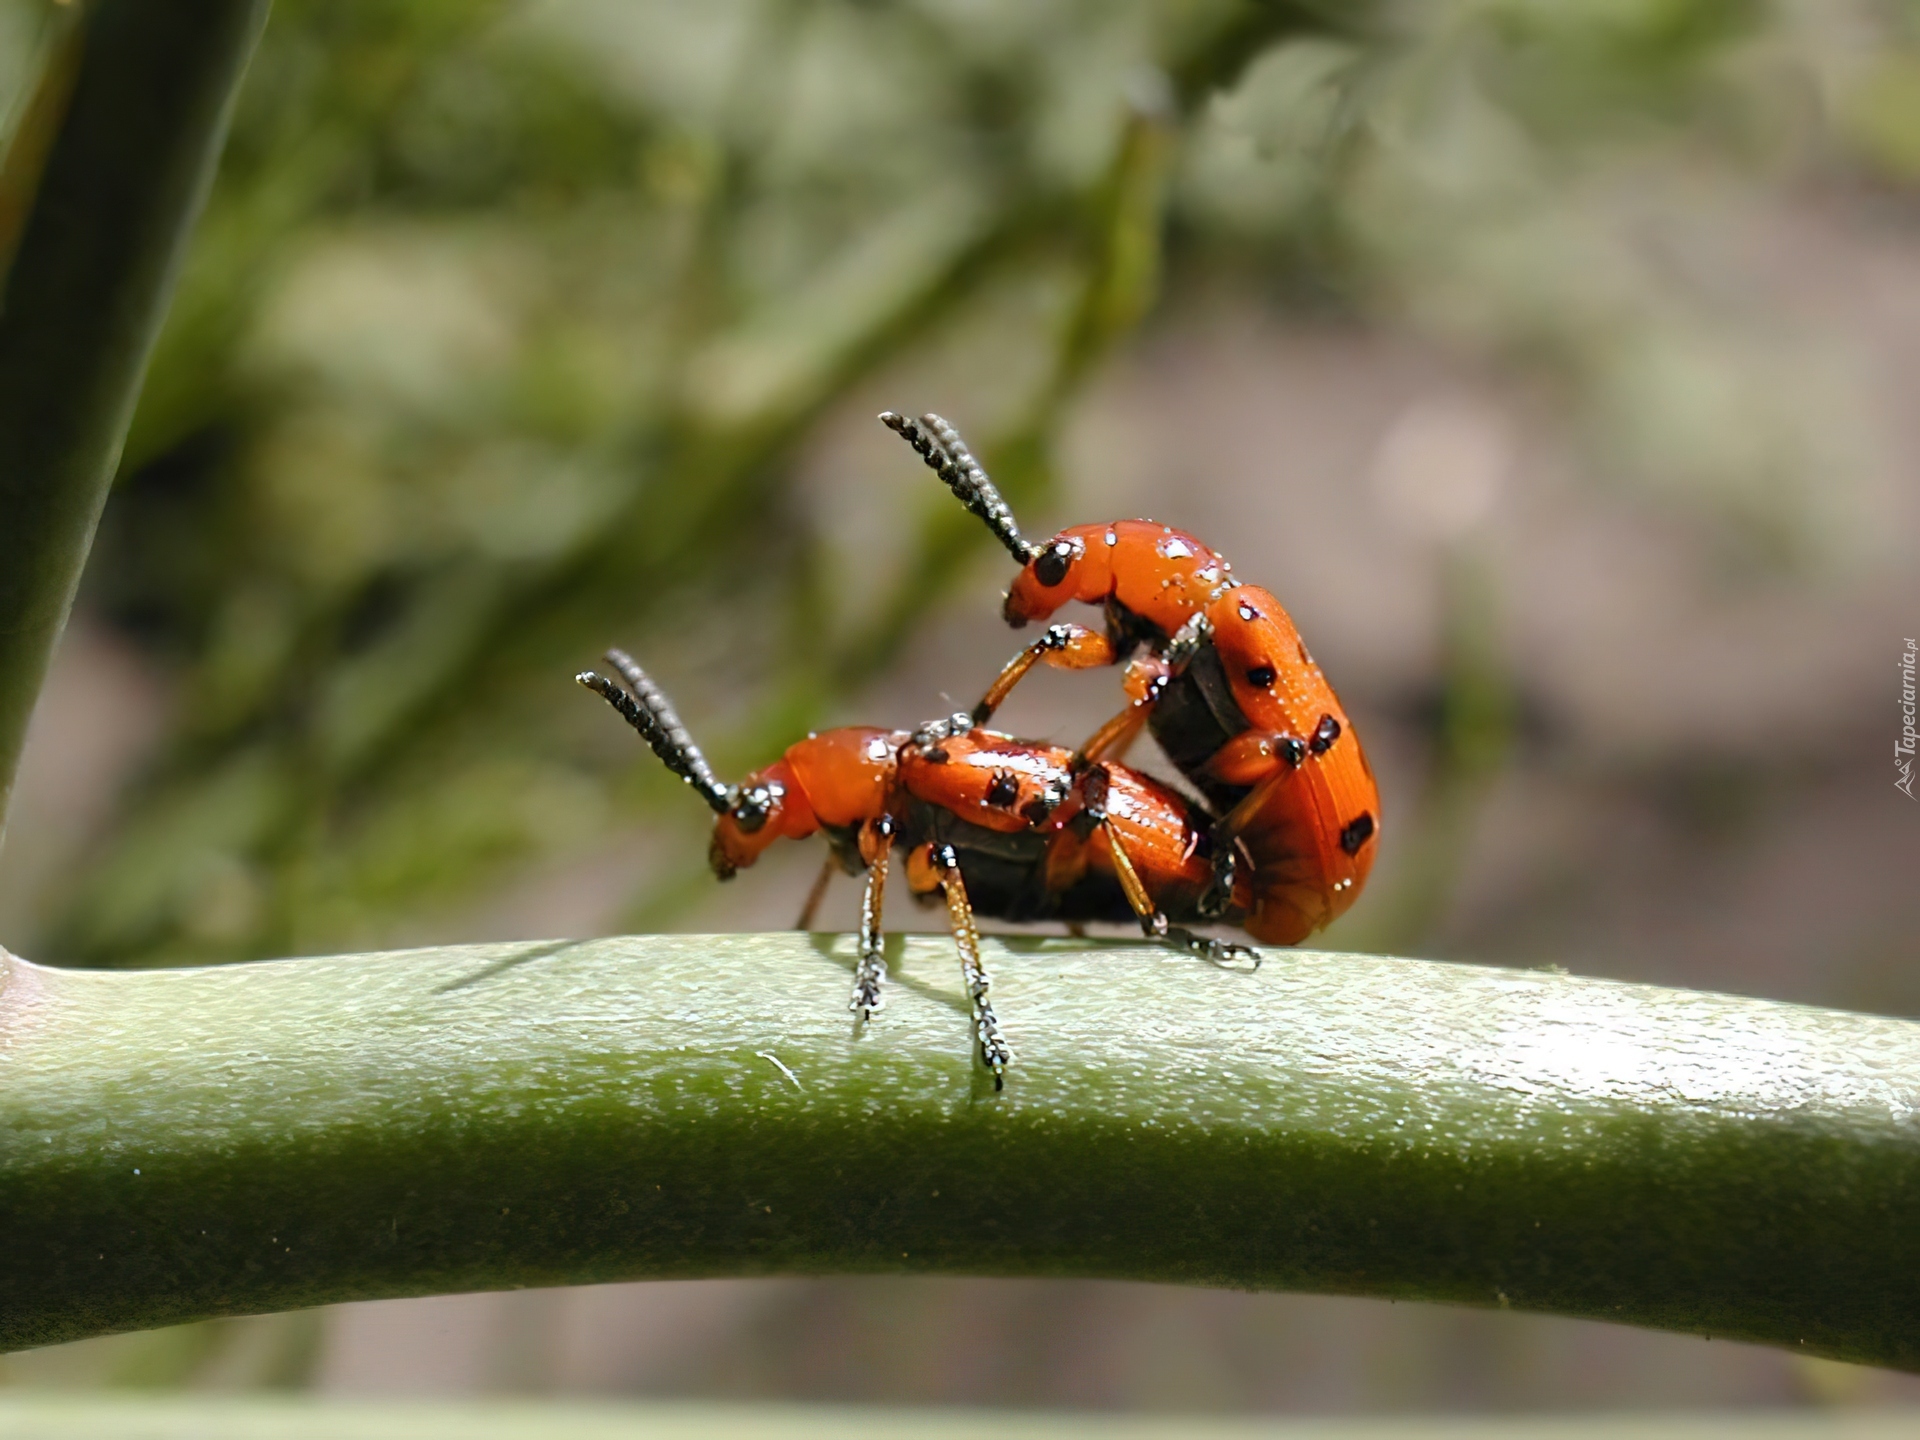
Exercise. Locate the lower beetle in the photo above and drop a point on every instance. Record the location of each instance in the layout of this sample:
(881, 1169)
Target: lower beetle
(993, 825)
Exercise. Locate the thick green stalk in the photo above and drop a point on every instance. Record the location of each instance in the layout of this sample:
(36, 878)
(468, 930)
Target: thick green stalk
(189, 1143)
(198, 1417)
(86, 292)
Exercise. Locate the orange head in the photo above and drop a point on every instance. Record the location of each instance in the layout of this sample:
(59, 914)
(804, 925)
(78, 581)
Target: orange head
(1157, 575)
(766, 806)
(839, 778)
(1153, 572)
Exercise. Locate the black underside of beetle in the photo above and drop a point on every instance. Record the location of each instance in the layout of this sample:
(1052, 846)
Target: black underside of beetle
(844, 841)
(1195, 716)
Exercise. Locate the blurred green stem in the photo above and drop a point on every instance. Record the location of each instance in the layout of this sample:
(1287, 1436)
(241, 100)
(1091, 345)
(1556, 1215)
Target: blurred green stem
(122, 183)
(191, 1143)
(31, 135)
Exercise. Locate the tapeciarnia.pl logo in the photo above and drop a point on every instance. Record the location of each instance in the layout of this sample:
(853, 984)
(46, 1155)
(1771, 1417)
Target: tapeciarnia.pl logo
(1903, 747)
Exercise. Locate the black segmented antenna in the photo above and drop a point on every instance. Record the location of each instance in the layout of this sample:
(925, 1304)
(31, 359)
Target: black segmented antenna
(649, 711)
(947, 456)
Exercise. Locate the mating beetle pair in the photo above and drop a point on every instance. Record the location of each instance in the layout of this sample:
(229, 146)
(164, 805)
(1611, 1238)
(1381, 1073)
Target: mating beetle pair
(1020, 830)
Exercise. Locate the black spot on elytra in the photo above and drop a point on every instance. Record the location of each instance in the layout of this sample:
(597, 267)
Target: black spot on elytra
(1292, 749)
(1036, 810)
(935, 755)
(1324, 734)
(1094, 785)
(1003, 790)
(1093, 792)
(1359, 830)
(1261, 676)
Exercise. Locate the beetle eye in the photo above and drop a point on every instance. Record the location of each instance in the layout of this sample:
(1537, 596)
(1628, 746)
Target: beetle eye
(1051, 567)
(751, 808)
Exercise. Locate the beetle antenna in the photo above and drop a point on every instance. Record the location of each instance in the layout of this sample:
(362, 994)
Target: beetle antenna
(947, 456)
(649, 711)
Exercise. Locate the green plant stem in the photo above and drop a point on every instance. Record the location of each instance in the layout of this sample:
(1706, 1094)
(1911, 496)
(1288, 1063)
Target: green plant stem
(25, 1415)
(190, 1143)
(85, 293)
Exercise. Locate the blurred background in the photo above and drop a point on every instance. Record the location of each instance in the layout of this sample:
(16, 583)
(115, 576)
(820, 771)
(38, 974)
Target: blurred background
(1557, 362)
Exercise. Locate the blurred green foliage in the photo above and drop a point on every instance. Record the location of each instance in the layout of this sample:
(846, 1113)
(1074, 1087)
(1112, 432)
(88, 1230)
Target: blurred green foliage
(508, 321)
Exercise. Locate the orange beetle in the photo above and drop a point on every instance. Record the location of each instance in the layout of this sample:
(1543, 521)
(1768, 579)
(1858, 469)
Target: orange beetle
(1217, 672)
(995, 826)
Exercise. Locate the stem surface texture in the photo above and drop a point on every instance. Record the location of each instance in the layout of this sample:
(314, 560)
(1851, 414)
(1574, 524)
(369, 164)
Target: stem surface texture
(189, 1143)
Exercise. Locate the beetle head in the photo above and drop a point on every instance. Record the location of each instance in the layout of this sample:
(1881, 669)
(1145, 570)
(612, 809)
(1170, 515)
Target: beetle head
(1070, 566)
(756, 815)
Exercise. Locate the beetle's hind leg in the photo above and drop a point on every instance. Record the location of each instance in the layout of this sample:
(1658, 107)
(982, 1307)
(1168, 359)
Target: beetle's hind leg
(1153, 921)
(1224, 953)
(870, 974)
(995, 1053)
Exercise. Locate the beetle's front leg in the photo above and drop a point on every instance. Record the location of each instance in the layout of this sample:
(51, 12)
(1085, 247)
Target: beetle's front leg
(1065, 647)
(870, 974)
(1147, 677)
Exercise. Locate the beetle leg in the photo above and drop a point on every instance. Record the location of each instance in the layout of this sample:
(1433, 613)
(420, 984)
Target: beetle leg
(1230, 825)
(818, 893)
(1065, 647)
(871, 973)
(1146, 680)
(1146, 677)
(994, 1050)
(1153, 920)
(1182, 645)
(1254, 755)
(1266, 760)
(1113, 739)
